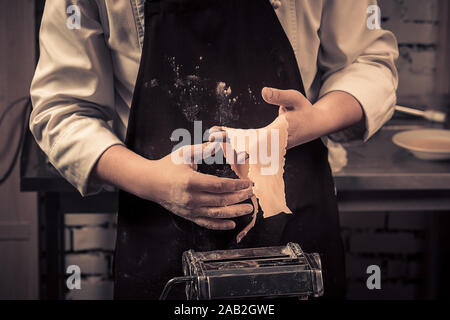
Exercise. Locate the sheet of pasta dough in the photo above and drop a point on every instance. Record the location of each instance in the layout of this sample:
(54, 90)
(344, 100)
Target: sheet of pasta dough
(269, 185)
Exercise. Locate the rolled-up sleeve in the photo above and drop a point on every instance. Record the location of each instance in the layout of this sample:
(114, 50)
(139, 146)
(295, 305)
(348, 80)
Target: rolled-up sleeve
(360, 61)
(73, 93)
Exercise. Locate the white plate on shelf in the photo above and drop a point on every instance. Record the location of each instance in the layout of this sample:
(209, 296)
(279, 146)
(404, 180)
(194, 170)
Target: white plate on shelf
(425, 144)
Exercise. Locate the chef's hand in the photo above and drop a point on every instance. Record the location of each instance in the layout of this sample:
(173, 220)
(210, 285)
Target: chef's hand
(335, 111)
(294, 107)
(299, 113)
(206, 200)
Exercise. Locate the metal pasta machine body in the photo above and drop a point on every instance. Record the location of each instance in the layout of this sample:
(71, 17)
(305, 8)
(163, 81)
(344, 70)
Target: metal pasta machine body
(270, 272)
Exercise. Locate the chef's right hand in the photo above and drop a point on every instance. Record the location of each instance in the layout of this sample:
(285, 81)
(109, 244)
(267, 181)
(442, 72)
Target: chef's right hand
(206, 200)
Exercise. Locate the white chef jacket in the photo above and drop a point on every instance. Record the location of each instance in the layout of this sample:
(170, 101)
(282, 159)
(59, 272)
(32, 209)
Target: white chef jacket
(84, 82)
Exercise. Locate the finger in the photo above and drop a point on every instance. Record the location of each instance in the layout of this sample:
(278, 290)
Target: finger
(219, 136)
(200, 149)
(229, 212)
(216, 129)
(285, 98)
(242, 157)
(220, 200)
(214, 224)
(229, 153)
(193, 154)
(189, 152)
(209, 183)
(211, 149)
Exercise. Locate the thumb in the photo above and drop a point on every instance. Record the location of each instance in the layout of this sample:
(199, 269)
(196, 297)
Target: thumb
(284, 98)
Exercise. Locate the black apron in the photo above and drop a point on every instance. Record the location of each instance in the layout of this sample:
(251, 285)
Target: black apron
(207, 60)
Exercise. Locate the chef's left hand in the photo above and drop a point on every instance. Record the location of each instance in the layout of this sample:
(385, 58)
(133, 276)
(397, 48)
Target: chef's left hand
(294, 107)
(335, 111)
(297, 110)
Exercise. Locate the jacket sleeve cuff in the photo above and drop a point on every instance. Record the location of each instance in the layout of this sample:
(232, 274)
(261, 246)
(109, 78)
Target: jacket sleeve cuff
(373, 90)
(77, 151)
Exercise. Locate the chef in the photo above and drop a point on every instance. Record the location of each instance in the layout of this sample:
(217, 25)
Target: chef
(109, 95)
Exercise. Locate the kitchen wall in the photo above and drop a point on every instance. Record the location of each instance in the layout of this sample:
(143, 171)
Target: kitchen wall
(416, 25)
(18, 211)
(394, 241)
(89, 244)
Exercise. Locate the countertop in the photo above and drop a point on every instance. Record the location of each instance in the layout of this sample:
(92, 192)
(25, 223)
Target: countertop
(381, 165)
